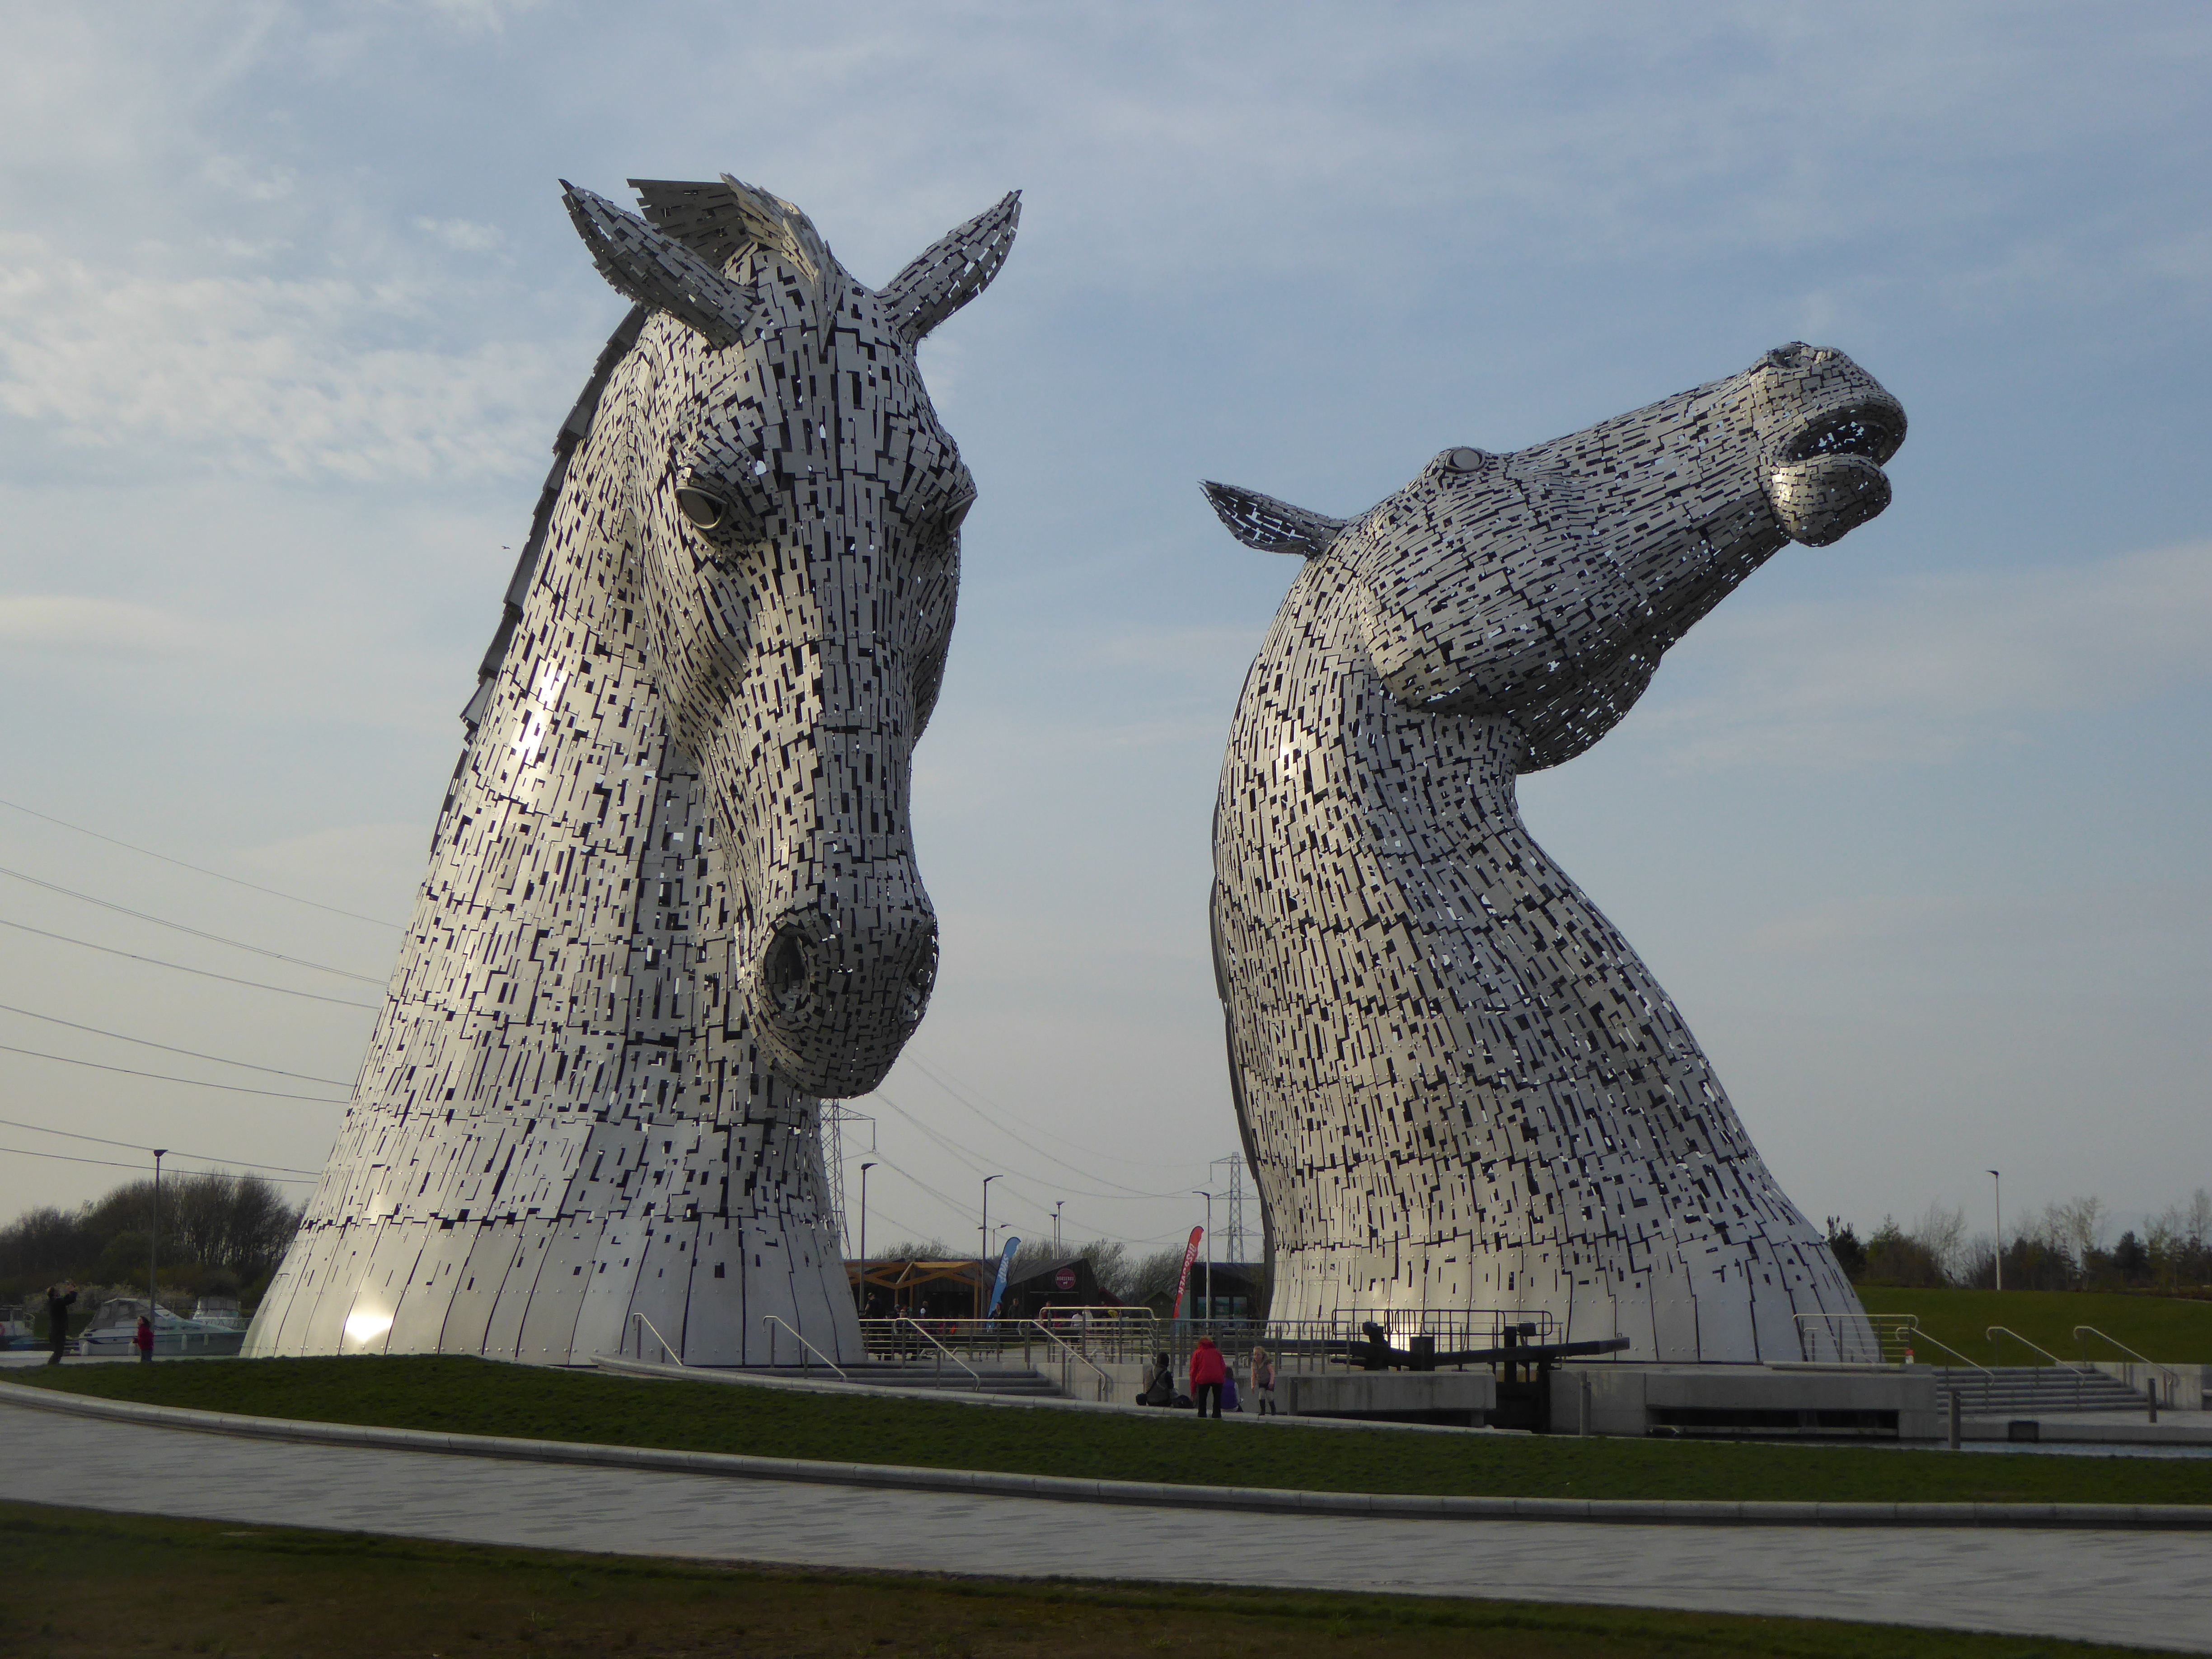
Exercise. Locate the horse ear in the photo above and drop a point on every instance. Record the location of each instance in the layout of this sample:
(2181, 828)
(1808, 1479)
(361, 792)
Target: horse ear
(957, 267)
(657, 270)
(1271, 526)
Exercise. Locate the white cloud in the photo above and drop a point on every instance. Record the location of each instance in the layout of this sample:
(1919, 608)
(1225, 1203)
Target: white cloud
(462, 235)
(75, 623)
(243, 178)
(481, 16)
(260, 375)
(1926, 665)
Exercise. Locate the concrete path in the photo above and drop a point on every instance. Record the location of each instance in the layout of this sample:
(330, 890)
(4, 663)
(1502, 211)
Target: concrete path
(2151, 1589)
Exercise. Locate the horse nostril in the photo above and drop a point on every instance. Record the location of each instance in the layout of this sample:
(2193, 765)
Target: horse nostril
(787, 969)
(915, 996)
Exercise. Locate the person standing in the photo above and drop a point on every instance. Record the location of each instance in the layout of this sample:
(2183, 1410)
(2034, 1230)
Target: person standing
(57, 1307)
(1263, 1383)
(1207, 1369)
(144, 1339)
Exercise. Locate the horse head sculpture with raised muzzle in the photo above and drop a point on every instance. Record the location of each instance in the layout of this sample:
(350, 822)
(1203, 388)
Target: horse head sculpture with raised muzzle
(1460, 1091)
(672, 901)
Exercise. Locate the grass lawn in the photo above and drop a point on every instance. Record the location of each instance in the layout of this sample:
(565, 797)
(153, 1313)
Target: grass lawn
(451, 1394)
(89, 1584)
(2165, 1328)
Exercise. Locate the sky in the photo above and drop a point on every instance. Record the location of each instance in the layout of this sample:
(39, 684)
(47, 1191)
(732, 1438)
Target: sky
(1912, 828)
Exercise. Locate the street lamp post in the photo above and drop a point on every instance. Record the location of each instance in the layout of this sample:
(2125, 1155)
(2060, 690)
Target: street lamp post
(865, 1168)
(153, 1247)
(1056, 1226)
(1996, 1188)
(986, 1231)
(1208, 1197)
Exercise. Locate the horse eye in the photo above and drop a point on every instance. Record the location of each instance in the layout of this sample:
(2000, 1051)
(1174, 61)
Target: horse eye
(704, 507)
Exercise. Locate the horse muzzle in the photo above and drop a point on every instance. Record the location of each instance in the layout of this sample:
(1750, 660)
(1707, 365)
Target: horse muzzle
(837, 995)
(1831, 427)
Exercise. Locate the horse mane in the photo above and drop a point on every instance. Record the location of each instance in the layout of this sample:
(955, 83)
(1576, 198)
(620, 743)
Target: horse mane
(719, 221)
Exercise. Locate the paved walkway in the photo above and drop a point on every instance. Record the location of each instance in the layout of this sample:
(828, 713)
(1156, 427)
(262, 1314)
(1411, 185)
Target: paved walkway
(2151, 1589)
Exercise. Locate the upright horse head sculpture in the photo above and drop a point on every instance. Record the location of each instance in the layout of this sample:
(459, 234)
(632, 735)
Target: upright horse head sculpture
(672, 897)
(1458, 1088)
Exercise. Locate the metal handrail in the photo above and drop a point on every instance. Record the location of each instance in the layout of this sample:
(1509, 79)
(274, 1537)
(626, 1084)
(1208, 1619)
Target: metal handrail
(673, 1353)
(973, 1374)
(1954, 1353)
(1898, 1325)
(2173, 1377)
(2079, 1372)
(1105, 1382)
(771, 1318)
(1997, 1331)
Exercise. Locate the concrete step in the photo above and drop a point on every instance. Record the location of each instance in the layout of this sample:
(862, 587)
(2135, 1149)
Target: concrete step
(2027, 1388)
(924, 1375)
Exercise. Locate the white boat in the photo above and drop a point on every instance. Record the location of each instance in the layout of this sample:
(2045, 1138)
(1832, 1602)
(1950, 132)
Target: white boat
(114, 1332)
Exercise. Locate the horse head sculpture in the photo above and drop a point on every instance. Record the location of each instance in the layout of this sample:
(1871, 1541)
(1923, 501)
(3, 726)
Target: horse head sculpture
(1458, 1088)
(798, 512)
(672, 902)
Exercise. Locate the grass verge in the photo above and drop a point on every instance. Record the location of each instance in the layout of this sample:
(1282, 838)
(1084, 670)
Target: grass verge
(109, 1585)
(2167, 1329)
(455, 1395)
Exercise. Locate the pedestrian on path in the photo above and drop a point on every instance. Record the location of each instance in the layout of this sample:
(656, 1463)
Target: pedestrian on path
(1207, 1369)
(57, 1307)
(144, 1339)
(1263, 1383)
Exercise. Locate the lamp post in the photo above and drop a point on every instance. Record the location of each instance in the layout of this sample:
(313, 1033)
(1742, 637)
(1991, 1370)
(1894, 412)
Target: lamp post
(986, 1231)
(154, 1244)
(1208, 1197)
(865, 1168)
(1056, 1226)
(1997, 1189)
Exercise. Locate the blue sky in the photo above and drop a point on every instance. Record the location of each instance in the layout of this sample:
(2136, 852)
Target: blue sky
(1912, 828)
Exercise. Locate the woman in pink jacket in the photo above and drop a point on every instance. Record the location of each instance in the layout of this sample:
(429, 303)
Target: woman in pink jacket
(1208, 1371)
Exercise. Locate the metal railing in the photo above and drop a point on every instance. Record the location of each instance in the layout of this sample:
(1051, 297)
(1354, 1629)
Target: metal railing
(944, 1353)
(1070, 1356)
(806, 1347)
(2079, 1372)
(2151, 1385)
(1919, 1335)
(667, 1353)
(1860, 1338)
(1136, 1335)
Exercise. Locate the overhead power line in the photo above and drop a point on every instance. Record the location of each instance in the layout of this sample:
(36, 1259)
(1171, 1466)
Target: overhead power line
(201, 869)
(133, 1145)
(110, 1163)
(164, 1077)
(1088, 1174)
(159, 922)
(966, 1154)
(189, 1053)
(204, 973)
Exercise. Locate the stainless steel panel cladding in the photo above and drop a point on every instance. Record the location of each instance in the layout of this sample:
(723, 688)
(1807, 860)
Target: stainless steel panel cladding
(671, 901)
(1457, 1085)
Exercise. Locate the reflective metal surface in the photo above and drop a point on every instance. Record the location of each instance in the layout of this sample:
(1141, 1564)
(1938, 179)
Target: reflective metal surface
(672, 900)
(1458, 1086)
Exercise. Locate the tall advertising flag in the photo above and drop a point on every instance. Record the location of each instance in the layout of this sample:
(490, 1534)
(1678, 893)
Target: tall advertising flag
(1005, 1262)
(1189, 1255)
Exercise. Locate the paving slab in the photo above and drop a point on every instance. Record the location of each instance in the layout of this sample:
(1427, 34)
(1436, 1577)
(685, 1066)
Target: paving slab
(2150, 1589)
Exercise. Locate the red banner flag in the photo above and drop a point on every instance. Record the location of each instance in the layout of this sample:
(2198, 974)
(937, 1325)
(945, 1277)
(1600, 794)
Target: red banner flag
(1189, 1255)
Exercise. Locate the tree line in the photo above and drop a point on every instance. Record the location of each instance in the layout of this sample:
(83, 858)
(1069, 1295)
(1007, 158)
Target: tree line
(222, 1235)
(2062, 1247)
(1133, 1280)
